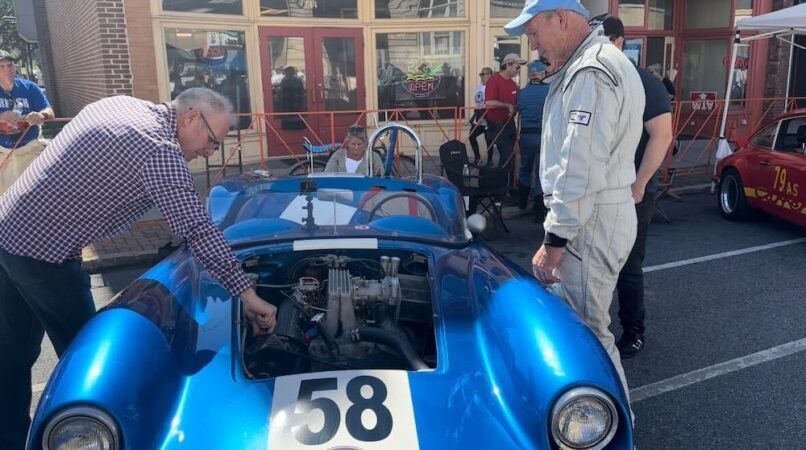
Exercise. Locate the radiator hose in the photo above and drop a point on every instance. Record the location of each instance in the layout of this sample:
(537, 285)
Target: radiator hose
(393, 340)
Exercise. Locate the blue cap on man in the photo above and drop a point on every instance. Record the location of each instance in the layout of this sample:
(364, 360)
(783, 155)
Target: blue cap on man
(535, 7)
(537, 66)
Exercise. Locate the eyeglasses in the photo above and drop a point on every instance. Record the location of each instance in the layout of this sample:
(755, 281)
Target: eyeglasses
(484, 73)
(212, 141)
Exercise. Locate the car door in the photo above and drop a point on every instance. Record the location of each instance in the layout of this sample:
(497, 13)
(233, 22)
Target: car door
(756, 169)
(788, 171)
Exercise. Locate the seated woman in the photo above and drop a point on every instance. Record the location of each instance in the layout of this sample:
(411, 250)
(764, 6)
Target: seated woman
(350, 157)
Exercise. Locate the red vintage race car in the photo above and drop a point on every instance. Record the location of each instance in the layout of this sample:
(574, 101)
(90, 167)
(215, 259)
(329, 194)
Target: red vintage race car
(768, 172)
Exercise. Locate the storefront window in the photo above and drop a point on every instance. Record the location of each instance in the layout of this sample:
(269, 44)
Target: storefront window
(738, 90)
(634, 49)
(421, 71)
(204, 6)
(631, 12)
(661, 14)
(708, 14)
(333, 9)
(704, 70)
(506, 9)
(211, 59)
(502, 46)
(744, 9)
(289, 79)
(405, 9)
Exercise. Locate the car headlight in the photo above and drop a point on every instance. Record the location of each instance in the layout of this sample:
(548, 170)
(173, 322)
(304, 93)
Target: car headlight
(583, 418)
(81, 428)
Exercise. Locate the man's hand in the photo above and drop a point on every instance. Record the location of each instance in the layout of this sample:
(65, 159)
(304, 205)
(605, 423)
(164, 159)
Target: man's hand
(511, 109)
(545, 262)
(35, 118)
(9, 117)
(261, 313)
(638, 192)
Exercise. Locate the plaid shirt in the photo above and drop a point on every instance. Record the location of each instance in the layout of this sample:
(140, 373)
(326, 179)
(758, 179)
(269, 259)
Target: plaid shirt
(114, 161)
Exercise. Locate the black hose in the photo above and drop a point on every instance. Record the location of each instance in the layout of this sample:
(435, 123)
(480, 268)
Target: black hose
(394, 340)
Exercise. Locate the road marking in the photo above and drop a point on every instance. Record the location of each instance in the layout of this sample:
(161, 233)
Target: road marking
(743, 251)
(700, 375)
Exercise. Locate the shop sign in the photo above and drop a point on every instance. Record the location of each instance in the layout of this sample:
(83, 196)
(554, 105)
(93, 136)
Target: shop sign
(742, 62)
(703, 101)
(422, 80)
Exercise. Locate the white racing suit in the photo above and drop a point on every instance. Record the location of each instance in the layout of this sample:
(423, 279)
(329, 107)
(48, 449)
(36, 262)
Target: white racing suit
(592, 122)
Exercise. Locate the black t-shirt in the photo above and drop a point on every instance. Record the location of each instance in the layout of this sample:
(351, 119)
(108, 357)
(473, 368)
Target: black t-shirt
(657, 103)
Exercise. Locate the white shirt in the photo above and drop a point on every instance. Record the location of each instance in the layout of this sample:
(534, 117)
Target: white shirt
(352, 164)
(479, 97)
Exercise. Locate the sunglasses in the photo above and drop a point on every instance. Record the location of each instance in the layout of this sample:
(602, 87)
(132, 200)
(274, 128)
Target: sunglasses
(212, 141)
(484, 73)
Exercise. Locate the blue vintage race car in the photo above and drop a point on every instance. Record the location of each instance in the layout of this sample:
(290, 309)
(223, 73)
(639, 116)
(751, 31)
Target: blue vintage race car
(396, 330)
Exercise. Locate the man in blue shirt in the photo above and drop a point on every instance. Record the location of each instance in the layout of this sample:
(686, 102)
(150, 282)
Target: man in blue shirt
(530, 109)
(23, 106)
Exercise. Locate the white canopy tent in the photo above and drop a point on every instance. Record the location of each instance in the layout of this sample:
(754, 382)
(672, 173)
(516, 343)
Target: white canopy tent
(784, 25)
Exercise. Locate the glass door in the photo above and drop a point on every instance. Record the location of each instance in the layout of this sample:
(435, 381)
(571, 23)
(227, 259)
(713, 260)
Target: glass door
(308, 72)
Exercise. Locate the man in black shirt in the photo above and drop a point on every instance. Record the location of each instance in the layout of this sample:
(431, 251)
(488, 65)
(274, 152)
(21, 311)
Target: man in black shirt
(652, 149)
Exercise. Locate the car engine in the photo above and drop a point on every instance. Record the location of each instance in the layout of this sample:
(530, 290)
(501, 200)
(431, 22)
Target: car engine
(343, 312)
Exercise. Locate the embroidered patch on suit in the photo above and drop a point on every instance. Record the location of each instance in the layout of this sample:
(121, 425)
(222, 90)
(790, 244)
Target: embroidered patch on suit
(580, 117)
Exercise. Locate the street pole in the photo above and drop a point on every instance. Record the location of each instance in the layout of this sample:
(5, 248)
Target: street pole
(30, 63)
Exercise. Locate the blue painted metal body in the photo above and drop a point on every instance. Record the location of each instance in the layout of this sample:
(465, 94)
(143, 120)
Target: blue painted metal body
(163, 359)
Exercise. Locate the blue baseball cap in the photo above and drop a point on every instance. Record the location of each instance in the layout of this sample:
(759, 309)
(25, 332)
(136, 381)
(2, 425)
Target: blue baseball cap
(535, 7)
(536, 66)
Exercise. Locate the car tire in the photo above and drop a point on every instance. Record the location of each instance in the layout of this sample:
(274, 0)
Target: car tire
(732, 201)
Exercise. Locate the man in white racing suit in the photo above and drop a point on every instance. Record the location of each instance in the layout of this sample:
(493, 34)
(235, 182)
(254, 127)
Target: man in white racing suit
(592, 123)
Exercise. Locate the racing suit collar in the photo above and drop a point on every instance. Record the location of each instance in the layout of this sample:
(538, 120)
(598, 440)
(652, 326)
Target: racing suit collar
(560, 73)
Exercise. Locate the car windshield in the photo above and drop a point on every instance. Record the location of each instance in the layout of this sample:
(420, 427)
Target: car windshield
(322, 206)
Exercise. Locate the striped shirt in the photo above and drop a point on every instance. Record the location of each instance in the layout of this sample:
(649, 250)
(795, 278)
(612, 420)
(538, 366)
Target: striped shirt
(115, 160)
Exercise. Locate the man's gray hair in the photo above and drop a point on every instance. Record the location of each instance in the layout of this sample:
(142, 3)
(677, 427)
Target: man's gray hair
(656, 68)
(204, 100)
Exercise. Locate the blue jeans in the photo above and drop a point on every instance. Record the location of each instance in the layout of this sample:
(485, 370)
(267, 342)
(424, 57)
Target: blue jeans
(530, 154)
(35, 297)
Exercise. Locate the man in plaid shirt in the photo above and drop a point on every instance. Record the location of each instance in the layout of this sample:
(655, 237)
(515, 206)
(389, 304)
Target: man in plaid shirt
(114, 161)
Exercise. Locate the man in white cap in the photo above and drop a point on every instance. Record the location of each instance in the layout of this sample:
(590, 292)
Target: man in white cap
(501, 98)
(592, 122)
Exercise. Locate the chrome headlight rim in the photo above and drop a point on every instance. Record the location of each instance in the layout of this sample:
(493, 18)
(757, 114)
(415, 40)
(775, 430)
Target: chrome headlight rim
(82, 411)
(573, 395)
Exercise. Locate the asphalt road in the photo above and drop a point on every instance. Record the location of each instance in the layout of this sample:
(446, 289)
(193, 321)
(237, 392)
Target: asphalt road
(726, 342)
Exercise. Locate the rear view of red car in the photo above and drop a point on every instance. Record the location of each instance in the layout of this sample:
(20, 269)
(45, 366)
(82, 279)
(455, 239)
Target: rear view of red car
(768, 173)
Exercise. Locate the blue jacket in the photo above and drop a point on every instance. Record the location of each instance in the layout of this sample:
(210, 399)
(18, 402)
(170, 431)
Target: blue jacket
(530, 104)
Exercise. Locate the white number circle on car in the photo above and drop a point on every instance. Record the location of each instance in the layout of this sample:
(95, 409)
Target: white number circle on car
(359, 409)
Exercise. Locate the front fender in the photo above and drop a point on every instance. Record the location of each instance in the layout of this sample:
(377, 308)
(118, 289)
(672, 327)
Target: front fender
(537, 348)
(120, 362)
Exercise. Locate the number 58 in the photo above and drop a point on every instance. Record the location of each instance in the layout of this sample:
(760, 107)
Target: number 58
(332, 414)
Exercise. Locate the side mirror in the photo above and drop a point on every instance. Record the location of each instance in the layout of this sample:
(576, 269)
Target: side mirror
(476, 223)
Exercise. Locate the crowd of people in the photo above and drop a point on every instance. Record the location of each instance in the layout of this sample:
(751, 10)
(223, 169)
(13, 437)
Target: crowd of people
(592, 130)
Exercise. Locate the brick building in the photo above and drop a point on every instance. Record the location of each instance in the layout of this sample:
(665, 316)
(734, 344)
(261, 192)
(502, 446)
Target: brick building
(346, 55)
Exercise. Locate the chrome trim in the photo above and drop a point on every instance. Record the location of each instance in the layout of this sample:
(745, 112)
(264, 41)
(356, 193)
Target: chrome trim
(418, 152)
(575, 394)
(90, 412)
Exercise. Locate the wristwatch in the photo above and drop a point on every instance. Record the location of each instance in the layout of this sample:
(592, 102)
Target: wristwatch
(46, 115)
